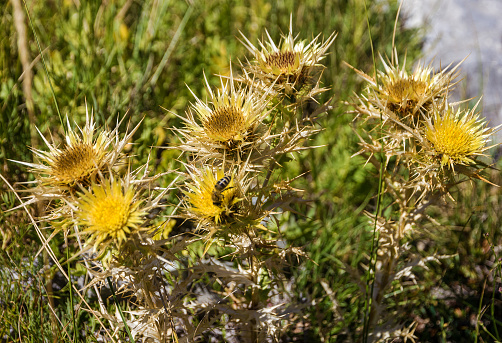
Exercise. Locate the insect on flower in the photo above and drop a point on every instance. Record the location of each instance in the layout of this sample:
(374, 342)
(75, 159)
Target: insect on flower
(219, 187)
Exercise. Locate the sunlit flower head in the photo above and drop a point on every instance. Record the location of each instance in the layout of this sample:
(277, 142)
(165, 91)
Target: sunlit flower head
(229, 122)
(212, 196)
(407, 94)
(75, 163)
(80, 158)
(109, 213)
(457, 137)
(289, 65)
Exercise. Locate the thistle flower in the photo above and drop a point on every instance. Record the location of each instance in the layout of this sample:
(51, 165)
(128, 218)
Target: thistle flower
(209, 202)
(457, 137)
(290, 65)
(62, 170)
(406, 94)
(229, 123)
(109, 213)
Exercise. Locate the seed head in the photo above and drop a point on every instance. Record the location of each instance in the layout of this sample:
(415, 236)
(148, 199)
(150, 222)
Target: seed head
(230, 123)
(77, 161)
(408, 95)
(85, 154)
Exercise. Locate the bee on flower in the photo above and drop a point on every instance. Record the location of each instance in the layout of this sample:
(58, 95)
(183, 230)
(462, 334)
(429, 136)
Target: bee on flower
(212, 196)
(219, 187)
(227, 200)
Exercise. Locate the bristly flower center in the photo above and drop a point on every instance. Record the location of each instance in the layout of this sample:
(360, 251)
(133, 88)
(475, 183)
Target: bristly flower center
(406, 89)
(225, 122)
(75, 163)
(454, 140)
(457, 138)
(110, 214)
(284, 61)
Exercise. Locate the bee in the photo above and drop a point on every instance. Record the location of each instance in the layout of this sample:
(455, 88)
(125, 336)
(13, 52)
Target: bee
(219, 187)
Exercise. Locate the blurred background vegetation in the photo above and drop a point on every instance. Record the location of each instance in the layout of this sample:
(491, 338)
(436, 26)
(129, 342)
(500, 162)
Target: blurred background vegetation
(138, 57)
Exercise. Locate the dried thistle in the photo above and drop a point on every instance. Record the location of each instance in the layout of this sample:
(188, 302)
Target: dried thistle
(229, 123)
(234, 142)
(291, 67)
(404, 97)
(86, 154)
(423, 141)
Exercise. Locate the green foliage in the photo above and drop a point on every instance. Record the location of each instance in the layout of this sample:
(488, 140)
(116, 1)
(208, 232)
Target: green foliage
(467, 285)
(14, 123)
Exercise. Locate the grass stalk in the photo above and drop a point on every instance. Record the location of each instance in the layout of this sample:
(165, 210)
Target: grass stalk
(45, 66)
(126, 327)
(370, 274)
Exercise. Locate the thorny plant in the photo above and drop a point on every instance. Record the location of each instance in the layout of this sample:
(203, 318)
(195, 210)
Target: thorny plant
(223, 279)
(423, 146)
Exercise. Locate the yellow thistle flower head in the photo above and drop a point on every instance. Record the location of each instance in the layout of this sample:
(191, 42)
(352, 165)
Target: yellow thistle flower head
(109, 213)
(456, 137)
(212, 196)
(289, 65)
(229, 121)
(230, 114)
(406, 94)
(80, 158)
(83, 156)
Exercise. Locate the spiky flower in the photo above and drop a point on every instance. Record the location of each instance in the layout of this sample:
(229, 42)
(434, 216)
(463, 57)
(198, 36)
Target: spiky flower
(85, 154)
(290, 65)
(208, 201)
(109, 213)
(229, 123)
(77, 161)
(457, 137)
(404, 94)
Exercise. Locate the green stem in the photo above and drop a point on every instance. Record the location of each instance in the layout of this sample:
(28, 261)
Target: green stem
(374, 245)
(120, 310)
